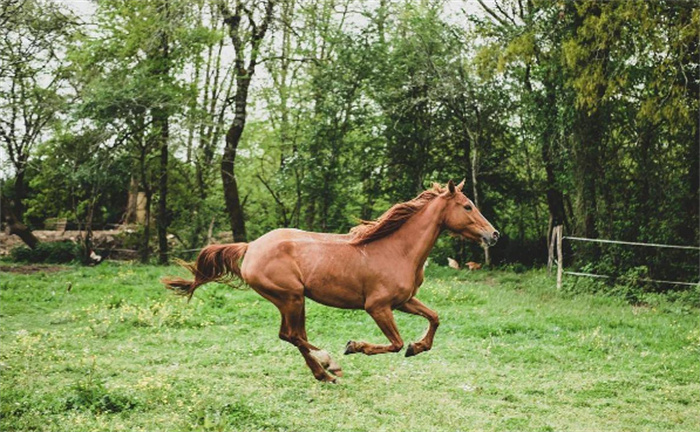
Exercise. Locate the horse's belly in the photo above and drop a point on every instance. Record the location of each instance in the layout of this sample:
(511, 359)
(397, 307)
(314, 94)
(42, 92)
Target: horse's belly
(332, 274)
(335, 296)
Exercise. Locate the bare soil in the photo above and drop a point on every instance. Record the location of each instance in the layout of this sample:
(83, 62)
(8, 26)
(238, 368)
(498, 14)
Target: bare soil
(32, 268)
(104, 239)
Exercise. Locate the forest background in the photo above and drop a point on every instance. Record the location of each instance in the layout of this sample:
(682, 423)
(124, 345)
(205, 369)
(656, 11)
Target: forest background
(245, 116)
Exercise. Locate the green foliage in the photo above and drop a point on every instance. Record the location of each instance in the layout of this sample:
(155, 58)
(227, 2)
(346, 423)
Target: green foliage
(56, 252)
(582, 110)
(593, 86)
(79, 179)
(34, 84)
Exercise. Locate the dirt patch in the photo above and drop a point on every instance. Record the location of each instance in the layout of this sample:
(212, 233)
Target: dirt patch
(102, 239)
(32, 268)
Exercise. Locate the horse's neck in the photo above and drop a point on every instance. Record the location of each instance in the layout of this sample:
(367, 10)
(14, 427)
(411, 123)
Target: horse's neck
(416, 238)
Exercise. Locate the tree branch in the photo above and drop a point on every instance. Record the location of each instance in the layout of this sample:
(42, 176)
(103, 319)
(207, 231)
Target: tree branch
(276, 198)
(492, 13)
(504, 13)
(291, 59)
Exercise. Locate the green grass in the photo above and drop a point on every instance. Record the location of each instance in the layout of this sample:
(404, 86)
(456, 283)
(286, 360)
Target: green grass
(118, 352)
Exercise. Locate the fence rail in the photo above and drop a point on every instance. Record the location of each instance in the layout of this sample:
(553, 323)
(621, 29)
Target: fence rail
(633, 243)
(560, 264)
(170, 252)
(599, 276)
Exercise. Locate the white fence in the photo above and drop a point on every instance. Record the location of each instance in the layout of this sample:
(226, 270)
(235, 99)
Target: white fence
(560, 263)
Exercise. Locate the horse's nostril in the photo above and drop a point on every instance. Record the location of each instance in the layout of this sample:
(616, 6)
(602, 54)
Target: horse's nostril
(495, 235)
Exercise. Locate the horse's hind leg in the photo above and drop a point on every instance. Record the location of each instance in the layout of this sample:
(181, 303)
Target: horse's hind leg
(293, 330)
(416, 307)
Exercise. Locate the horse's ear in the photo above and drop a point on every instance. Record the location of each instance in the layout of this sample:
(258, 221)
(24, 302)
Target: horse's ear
(451, 187)
(461, 185)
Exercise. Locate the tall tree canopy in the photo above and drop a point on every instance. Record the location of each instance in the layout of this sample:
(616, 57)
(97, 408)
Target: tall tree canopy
(245, 116)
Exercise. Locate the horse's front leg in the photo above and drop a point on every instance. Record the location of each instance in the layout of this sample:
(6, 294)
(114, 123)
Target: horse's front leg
(416, 307)
(384, 317)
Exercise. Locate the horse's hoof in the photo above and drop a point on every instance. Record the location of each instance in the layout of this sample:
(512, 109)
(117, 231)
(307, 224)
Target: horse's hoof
(350, 348)
(411, 351)
(326, 378)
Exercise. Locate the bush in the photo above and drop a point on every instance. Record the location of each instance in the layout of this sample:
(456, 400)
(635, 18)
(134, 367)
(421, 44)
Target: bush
(55, 253)
(93, 396)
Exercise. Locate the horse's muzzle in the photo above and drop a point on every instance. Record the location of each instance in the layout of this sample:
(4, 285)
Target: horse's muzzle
(490, 239)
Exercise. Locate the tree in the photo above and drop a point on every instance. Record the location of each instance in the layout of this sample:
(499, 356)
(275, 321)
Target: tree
(129, 78)
(160, 57)
(246, 36)
(33, 92)
(211, 86)
(79, 175)
(603, 89)
(531, 55)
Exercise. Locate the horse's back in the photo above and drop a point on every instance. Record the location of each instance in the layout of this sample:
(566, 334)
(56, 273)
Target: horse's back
(284, 238)
(325, 266)
(288, 249)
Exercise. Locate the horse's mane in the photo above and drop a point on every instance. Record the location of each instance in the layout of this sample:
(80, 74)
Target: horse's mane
(392, 219)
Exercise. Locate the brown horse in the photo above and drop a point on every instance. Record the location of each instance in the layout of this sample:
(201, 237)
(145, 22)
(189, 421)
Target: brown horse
(377, 267)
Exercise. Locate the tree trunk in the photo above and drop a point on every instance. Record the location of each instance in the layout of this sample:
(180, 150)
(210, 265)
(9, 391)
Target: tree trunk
(145, 184)
(691, 205)
(22, 231)
(145, 251)
(310, 213)
(467, 148)
(20, 194)
(243, 76)
(589, 131)
(162, 124)
(475, 190)
(550, 238)
(588, 136)
(555, 198)
(87, 237)
(130, 215)
(16, 226)
(228, 165)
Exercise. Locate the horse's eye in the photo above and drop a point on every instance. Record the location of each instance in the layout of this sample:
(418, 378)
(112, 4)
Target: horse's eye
(468, 207)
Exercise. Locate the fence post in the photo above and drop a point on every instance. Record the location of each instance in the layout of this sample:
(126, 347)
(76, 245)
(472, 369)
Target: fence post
(560, 255)
(550, 254)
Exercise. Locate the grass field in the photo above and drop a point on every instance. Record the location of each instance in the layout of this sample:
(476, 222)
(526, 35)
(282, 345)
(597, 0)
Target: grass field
(107, 348)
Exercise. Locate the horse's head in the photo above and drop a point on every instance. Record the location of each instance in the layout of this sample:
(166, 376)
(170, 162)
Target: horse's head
(463, 218)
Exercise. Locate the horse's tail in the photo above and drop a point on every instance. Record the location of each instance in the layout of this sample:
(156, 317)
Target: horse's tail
(215, 263)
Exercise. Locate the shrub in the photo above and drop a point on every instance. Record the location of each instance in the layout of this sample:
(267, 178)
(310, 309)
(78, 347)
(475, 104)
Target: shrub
(93, 396)
(54, 252)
